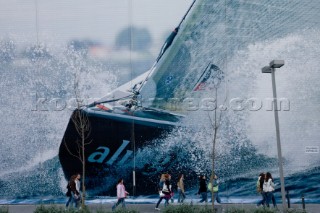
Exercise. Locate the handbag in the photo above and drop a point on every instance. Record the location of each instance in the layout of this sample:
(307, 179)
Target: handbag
(76, 197)
(161, 194)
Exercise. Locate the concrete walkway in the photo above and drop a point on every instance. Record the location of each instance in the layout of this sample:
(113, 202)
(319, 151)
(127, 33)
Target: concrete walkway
(149, 208)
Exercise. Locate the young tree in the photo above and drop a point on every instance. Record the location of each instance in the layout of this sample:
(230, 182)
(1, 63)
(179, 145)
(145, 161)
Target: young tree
(215, 119)
(82, 125)
(215, 122)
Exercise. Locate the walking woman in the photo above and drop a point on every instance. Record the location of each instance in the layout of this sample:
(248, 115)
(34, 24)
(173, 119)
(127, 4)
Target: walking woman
(73, 177)
(180, 185)
(165, 192)
(268, 188)
(121, 194)
(75, 191)
(260, 182)
(203, 189)
(78, 197)
(215, 184)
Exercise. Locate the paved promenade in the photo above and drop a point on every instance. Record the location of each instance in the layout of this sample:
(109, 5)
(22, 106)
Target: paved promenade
(149, 208)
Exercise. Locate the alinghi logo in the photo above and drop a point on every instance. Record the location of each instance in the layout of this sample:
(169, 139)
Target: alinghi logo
(101, 156)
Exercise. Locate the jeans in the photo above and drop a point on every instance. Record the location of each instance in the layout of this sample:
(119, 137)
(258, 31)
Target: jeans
(75, 200)
(181, 197)
(217, 198)
(165, 203)
(263, 201)
(268, 196)
(69, 201)
(274, 201)
(204, 197)
(120, 201)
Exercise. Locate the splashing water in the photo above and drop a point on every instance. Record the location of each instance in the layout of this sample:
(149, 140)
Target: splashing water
(37, 100)
(32, 130)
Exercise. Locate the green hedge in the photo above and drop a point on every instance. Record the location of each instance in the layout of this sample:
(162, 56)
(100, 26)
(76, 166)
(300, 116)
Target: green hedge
(119, 210)
(4, 209)
(263, 210)
(57, 209)
(170, 209)
(188, 209)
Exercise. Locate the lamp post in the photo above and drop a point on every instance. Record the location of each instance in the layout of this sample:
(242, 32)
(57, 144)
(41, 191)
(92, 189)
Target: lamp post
(271, 69)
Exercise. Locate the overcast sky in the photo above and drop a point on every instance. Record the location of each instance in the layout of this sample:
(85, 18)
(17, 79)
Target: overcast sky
(101, 20)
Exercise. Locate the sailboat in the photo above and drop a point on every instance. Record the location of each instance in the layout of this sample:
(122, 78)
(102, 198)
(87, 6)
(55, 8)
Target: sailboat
(151, 106)
(134, 114)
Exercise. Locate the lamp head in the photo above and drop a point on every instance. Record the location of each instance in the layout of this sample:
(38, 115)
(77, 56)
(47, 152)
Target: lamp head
(276, 63)
(266, 69)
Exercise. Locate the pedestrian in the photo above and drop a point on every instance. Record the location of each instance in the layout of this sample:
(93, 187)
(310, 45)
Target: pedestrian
(121, 194)
(203, 189)
(268, 188)
(181, 191)
(165, 192)
(77, 180)
(172, 193)
(68, 194)
(75, 190)
(259, 186)
(161, 181)
(215, 188)
(160, 186)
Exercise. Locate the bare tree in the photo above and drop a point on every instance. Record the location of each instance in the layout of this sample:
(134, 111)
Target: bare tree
(215, 124)
(83, 128)
(215, 120)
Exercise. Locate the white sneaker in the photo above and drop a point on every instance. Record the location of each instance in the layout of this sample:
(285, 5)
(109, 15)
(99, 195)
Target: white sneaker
(157, 209)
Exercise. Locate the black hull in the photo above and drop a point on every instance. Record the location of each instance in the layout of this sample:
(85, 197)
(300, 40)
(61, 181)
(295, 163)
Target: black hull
(112, 147)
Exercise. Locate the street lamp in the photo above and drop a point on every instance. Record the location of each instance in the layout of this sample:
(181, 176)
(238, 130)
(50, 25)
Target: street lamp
(271, 69)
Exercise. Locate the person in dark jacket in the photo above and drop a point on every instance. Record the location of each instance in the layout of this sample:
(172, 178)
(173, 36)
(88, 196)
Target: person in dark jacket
(75, 194)
(73, 177)
(203, 189)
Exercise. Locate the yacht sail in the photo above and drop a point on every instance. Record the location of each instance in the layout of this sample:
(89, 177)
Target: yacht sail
(213, 33)
(174, 75)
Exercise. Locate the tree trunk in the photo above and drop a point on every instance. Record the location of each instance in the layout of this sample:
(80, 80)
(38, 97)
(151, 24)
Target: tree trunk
(215, 129)
(83, 175)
